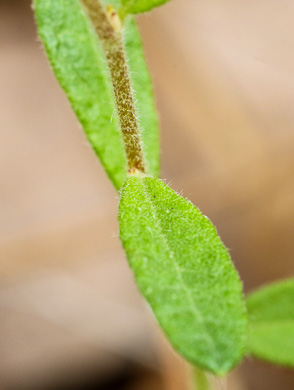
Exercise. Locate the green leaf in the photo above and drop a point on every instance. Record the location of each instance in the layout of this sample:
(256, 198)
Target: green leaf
(137, 6)
(185, 273)
(80, 67)
(271, 322)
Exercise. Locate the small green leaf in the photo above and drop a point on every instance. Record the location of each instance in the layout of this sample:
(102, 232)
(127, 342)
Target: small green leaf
(271, 322)
(80, 66)
(138, 6)
(185, 273)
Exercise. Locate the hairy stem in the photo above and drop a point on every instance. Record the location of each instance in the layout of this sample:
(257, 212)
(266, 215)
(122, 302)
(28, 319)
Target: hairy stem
(107, 26)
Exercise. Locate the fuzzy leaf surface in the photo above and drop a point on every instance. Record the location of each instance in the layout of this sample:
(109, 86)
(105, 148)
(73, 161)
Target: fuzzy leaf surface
(138, 6)
(185, 273)
(271, 322)
(80, 66)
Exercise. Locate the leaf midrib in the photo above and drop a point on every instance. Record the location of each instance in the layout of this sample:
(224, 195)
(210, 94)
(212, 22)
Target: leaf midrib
(197, 314)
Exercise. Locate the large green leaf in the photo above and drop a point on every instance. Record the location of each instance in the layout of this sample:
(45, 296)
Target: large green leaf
(80, 67)
(185, 273)
(271, 322)
(137, 6)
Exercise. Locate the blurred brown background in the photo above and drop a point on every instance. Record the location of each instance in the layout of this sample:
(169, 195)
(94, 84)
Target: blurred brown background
(70, 315)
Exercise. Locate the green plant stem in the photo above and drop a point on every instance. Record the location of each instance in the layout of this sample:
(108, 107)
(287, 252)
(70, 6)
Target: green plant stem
(108, 28)
(200, 379)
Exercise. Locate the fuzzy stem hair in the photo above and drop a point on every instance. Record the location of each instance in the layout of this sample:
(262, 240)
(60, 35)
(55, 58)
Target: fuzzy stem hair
(108, 28)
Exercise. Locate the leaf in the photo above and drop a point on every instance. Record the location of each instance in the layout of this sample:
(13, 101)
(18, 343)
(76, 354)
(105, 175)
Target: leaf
(80, 67)
(271, 322)
(137, 6)
(185, 273)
